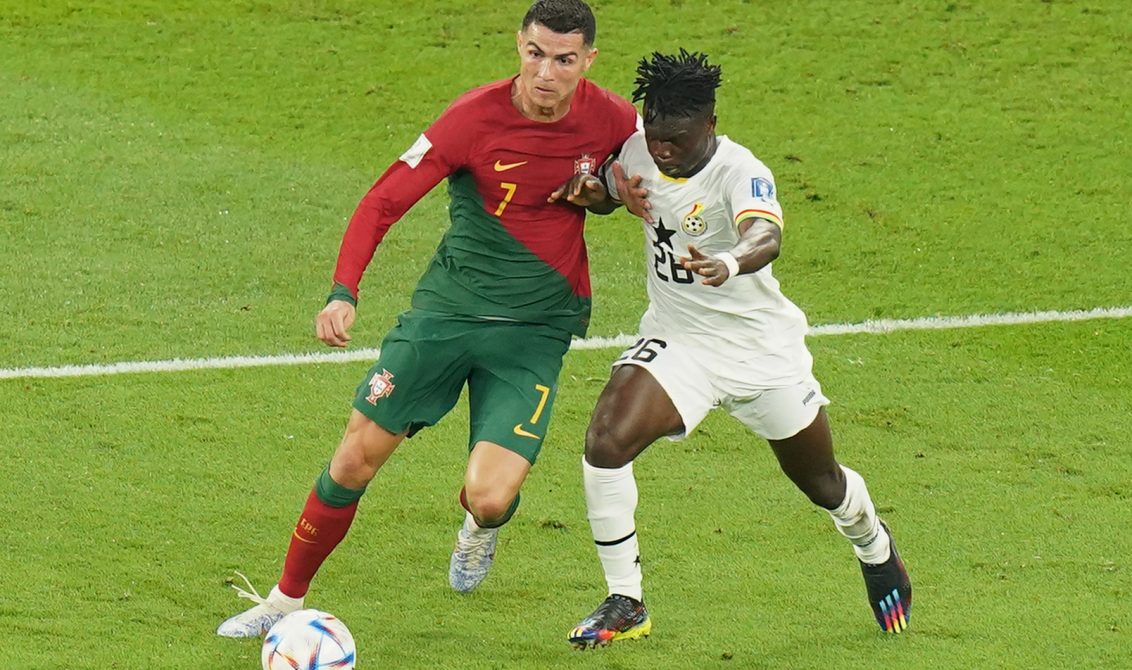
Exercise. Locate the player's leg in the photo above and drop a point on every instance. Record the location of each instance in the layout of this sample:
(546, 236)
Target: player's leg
(511, 392)
(326, 517)
(490, 497)
(654, 391)
(397, 396)
(807, 458)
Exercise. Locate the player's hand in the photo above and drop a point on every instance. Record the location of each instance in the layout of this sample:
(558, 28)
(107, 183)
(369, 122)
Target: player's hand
(582, 190)
(632, 194)
(333, 321)
(713, 270)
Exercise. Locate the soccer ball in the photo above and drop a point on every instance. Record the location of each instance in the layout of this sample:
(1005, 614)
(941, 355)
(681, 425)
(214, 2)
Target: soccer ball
(308, 640)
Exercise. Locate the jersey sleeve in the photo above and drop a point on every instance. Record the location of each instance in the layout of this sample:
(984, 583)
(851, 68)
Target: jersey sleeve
(753, 193)
(439, 151)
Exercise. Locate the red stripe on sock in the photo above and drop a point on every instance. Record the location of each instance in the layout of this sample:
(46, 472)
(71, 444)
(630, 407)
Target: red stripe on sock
(319, 530)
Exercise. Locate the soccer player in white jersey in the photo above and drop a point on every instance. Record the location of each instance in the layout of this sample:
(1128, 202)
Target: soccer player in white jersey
(718, 332)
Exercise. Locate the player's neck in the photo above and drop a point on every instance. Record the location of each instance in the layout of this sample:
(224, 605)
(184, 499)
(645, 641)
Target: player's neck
(535, 112)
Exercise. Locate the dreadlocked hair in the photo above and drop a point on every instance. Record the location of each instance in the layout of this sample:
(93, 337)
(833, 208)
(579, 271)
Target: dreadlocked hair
(681, 85)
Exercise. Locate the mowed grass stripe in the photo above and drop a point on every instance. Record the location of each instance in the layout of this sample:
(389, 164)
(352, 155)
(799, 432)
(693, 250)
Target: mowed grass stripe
(880, 326)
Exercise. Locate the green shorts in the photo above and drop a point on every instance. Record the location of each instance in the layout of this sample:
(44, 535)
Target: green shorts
(511, 370)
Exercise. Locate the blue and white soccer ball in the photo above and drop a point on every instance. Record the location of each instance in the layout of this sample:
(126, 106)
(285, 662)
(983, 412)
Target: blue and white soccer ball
(308, 640)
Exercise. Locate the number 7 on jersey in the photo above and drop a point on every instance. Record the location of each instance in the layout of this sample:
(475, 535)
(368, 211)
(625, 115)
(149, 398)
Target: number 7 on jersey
(510, 188)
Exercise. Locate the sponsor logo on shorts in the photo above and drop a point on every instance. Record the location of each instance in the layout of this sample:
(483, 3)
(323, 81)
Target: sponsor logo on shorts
(809, 397)
(380, 386)
(523, 433)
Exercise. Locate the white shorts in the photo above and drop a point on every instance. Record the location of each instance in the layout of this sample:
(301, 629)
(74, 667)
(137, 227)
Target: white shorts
(697, 379)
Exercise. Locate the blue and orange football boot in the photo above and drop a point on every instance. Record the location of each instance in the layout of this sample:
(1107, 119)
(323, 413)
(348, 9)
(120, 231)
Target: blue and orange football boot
(890, 590)
(617, 618)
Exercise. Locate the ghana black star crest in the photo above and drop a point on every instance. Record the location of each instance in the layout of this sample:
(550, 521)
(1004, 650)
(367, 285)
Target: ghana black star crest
(663, 235)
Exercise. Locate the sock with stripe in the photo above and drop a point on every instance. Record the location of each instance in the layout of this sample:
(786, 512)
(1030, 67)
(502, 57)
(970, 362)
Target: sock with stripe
(325, 519)
(611, 502)
(857, 520)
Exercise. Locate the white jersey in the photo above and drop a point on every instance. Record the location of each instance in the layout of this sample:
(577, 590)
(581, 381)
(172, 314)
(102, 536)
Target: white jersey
(746, 318)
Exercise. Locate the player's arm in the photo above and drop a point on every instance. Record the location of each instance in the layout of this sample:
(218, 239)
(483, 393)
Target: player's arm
(759, 220)
(585, 190)
(405, 182)
(606, 192)
(759, 244)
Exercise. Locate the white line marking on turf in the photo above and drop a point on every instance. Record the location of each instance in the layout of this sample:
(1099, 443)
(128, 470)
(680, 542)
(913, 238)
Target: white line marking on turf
(880, 326)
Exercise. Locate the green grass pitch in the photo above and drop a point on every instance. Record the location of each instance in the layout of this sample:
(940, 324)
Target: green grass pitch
(174, 181)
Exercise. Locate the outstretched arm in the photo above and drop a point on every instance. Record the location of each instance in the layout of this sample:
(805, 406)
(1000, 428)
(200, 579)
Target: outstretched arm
(760, 241)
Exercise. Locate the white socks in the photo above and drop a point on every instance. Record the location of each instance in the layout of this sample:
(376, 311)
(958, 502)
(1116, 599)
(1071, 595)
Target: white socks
(856, 519)
(282, 601)
(474, 529)
(611, 502)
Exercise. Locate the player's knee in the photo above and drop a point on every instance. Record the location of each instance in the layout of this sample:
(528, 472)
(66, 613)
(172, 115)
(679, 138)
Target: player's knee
(489, 506)
(608, 445)
(351, 465)
(349, 468)
(826, 489)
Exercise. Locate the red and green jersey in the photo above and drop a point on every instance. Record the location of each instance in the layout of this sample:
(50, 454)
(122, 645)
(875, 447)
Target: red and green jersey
(508, 253)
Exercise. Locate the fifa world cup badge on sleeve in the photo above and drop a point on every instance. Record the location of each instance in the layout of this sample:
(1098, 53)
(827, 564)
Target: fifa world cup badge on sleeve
(380, 386)
(762, 189)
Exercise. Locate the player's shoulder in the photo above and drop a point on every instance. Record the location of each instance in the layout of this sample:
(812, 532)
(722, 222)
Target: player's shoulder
(594, 96)
(635, 152)
(637, 142)
(738, 158)
(482, 100)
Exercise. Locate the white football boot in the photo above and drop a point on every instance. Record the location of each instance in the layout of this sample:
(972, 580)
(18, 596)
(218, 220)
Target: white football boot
(472, 557)
(255, 622)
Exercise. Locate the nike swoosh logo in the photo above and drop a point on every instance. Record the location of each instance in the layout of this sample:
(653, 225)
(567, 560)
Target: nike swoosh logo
(522, 433)
(295, 534)
(503, 167)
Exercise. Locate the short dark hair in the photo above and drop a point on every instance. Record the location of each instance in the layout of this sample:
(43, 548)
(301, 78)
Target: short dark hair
(563, 16)
(679, 85)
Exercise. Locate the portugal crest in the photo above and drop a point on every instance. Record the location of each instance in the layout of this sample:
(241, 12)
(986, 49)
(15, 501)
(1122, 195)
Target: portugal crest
(693, 223)
(380, 386)
(585, 165)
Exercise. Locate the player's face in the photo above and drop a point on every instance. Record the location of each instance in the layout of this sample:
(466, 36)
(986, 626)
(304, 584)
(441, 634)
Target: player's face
(681, 146)
(551, 65)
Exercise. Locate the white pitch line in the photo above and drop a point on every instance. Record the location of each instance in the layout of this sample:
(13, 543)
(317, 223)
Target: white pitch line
(880, 326)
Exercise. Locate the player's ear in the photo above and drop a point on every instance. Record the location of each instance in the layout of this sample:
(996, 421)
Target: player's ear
(588, 59)
(519, 41)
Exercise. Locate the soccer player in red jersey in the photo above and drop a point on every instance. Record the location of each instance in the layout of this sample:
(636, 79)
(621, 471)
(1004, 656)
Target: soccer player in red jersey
(496, 308)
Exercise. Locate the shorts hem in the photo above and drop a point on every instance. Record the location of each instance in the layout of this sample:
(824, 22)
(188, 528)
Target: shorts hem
(367, 410)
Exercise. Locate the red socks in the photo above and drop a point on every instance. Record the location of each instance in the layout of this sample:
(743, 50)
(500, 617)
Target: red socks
(319, 530)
